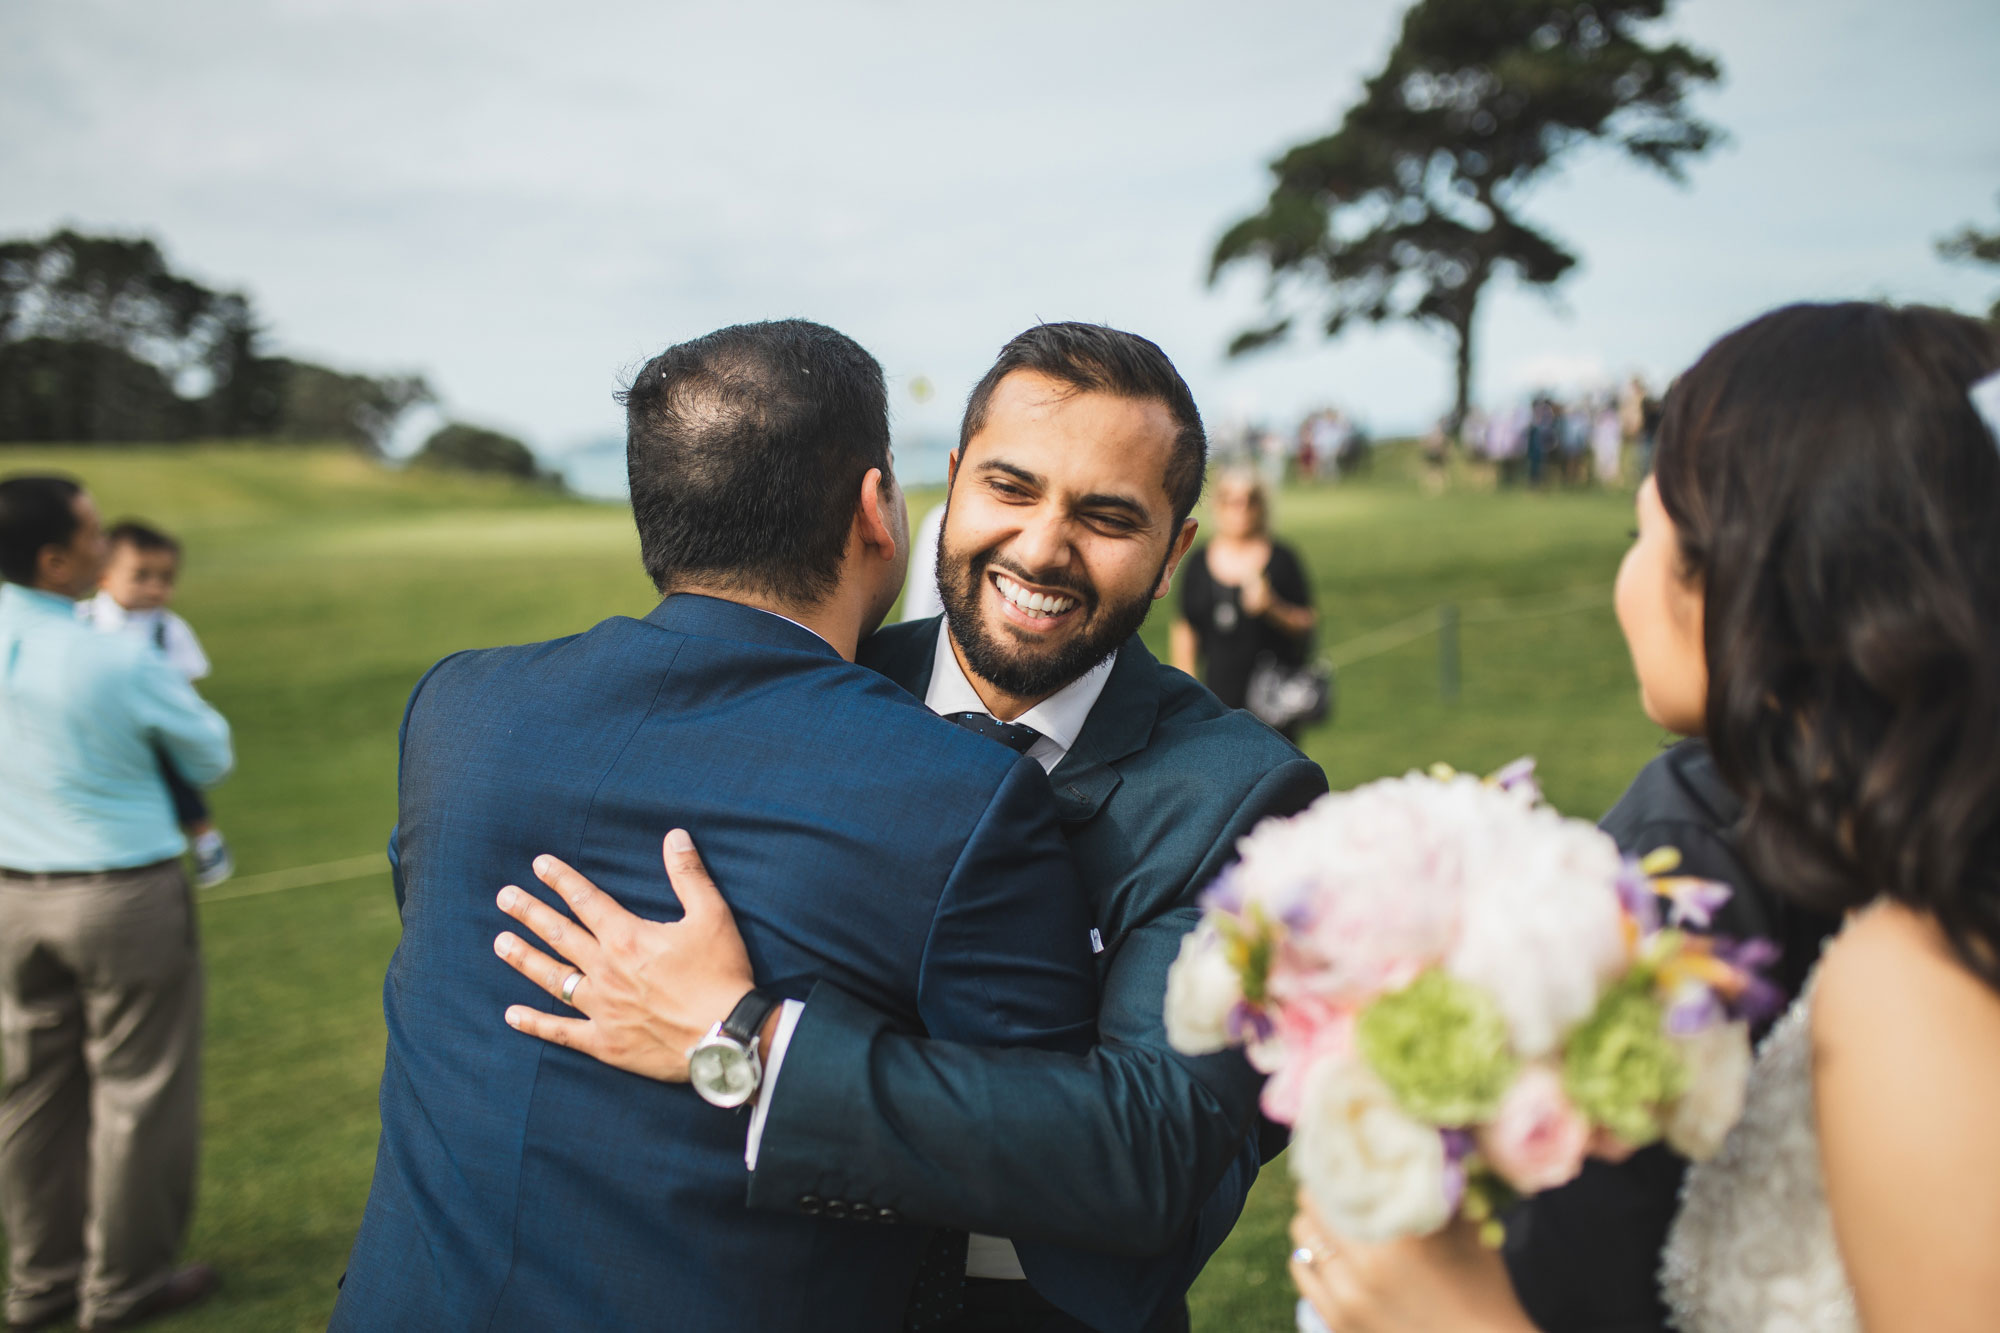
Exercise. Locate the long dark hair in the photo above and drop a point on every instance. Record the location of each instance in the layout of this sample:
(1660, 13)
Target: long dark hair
(1839, 498)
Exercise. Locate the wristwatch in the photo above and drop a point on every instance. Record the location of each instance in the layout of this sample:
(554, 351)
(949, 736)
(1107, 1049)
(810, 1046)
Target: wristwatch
(724, 1065)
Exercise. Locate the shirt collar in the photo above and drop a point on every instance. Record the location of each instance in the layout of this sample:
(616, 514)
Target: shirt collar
(789, 621)
(105, 610)
(1059, 718)
(25, 600)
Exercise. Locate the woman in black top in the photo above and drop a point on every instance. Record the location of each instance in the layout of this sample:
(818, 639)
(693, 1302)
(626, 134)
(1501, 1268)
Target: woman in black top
(1243, 596)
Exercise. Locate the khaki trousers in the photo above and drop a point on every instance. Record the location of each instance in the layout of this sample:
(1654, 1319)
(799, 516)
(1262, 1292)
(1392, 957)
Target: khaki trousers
(100, 1119)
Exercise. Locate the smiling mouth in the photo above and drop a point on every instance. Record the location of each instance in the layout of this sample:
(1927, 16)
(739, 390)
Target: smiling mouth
(1037, 610)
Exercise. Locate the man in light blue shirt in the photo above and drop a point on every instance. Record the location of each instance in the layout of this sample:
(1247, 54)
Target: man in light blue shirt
(100, 971)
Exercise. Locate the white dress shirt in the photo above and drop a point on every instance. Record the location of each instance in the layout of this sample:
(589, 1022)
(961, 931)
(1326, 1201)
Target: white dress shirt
(1059, 718)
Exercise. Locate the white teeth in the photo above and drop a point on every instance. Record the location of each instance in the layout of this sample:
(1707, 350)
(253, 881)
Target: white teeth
(1033, 602)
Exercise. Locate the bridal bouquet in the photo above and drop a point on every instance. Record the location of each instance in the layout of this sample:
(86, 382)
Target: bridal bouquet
(1458, 993)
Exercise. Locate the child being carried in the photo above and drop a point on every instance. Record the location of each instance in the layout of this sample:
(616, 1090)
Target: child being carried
(133, 598)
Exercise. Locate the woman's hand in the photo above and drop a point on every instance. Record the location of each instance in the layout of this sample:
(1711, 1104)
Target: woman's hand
(1446, 1283)
(1256, 595)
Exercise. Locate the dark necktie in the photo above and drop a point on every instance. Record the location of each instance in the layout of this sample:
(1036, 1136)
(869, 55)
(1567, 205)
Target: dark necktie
(1013, 735)
(937, 1297)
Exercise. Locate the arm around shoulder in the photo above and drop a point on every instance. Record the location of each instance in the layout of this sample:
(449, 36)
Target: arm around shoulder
(1906, 1090)
(180, 722)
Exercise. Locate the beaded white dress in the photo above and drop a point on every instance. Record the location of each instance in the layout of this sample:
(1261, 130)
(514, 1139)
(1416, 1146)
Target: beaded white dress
(1752, 1250)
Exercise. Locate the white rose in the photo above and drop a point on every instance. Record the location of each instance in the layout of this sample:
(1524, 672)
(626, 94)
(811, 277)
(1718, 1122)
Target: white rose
(1718, 1060)
(1542, 931)
(1201, 990)
(1375, 1173)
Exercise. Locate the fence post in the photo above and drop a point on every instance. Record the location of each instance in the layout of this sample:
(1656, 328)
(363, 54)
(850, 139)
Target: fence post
(1448, 652)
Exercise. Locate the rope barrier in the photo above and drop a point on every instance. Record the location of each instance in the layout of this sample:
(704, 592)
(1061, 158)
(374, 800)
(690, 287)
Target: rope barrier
(1489, 611)
(298, 877)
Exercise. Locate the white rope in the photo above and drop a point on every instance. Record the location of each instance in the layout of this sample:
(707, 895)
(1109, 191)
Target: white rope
(298, 877)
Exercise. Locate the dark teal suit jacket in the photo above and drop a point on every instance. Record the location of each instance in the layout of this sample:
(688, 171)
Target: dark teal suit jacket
(1115, 1173)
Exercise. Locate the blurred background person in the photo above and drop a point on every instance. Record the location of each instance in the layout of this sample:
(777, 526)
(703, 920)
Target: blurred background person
(920, 593)
(136, 597)
(1244, 597)
(100, 971)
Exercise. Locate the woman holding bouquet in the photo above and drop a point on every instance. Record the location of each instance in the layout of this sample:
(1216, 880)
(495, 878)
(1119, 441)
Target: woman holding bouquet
(1815, 589)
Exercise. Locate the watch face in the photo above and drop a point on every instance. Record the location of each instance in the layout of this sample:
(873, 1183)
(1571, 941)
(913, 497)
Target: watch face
(723, 1072)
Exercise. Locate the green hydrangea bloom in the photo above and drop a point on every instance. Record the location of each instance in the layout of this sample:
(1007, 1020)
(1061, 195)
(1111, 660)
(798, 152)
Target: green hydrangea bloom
(1441, 1047)
(1621, 1066)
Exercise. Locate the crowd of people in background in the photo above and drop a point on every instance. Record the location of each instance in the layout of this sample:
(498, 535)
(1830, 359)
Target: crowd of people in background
(1547, 439)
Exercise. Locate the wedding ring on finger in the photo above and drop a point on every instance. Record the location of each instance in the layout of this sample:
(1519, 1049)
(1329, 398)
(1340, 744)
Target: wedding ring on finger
(568, 992)
(1304, 1256)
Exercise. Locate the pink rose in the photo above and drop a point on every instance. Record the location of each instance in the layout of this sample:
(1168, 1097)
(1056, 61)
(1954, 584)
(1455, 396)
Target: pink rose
(1538, 1140)
(1308, 1029)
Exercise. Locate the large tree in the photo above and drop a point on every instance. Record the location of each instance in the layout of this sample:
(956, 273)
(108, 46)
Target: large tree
(101, 340)
(1412, 205)
(1972, 246)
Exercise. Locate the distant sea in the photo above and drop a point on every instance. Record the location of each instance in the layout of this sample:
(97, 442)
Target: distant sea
(597, 469)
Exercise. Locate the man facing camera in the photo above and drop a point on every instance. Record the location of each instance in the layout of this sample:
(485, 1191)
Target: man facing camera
(1092, 1189)
(867, 843)
(100, 972)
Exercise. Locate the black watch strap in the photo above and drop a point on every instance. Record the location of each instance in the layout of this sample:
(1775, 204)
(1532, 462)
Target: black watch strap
(746, 1020)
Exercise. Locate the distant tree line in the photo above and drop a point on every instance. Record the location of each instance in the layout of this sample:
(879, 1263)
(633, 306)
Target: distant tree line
(101, 341)
(1972, 246)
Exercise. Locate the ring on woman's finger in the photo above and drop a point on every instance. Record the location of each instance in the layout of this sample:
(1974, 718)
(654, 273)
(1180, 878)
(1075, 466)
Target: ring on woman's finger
(1303, 1255)
(570, 983)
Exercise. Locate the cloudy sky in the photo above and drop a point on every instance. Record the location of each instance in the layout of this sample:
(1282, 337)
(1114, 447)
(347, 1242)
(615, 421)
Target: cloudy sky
(524, 201)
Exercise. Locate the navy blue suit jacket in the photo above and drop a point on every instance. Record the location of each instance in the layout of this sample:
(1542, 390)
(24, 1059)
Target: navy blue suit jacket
(858, 839)
(1117, 1173)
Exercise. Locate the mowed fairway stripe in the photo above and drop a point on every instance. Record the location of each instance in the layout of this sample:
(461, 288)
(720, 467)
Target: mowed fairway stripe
(299, 877)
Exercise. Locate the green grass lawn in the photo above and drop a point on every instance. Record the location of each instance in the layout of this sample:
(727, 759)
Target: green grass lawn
(323, 585)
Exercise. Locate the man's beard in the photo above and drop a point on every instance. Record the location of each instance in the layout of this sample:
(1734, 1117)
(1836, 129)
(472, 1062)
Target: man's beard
(1027, 674)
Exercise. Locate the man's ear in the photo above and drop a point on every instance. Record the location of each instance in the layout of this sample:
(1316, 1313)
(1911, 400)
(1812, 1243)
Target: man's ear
(951, 470)
(1174, 555)
(872, 516)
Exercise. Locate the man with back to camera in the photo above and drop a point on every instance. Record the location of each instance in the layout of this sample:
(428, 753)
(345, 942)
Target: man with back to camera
(100, 971)
(1080, 459)
(521, 1186)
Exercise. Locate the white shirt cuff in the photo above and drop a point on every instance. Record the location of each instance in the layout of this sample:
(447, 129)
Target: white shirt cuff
(788, 1022)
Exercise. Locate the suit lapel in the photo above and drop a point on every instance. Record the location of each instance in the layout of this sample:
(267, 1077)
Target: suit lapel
(1119, 725)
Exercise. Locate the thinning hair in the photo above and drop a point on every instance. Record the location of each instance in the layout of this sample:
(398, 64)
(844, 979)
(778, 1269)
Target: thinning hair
(1093, 358)
(745, 449)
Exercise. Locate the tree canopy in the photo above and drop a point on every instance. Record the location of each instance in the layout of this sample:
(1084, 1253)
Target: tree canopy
(466, 448)
(1972, 246)
(1409, 208)
(101, 340)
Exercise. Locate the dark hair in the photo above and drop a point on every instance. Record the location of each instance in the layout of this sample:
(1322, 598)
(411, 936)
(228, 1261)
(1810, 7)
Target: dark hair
(35, 511)
(746, 449)
(140, 537)
(1091, 358)
(1838, 496)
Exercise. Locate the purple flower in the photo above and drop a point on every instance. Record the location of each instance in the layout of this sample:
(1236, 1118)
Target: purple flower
(1760, 998)
(1520, 775)
(1694, 901)
(1225, 894)
(1246, 1024)
(1694, 1012)
(1636, 896)
(1457, 1147)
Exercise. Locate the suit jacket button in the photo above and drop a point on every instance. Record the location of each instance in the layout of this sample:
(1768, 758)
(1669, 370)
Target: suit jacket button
(887, 1215)
(836, 1208)
(811, 1203)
